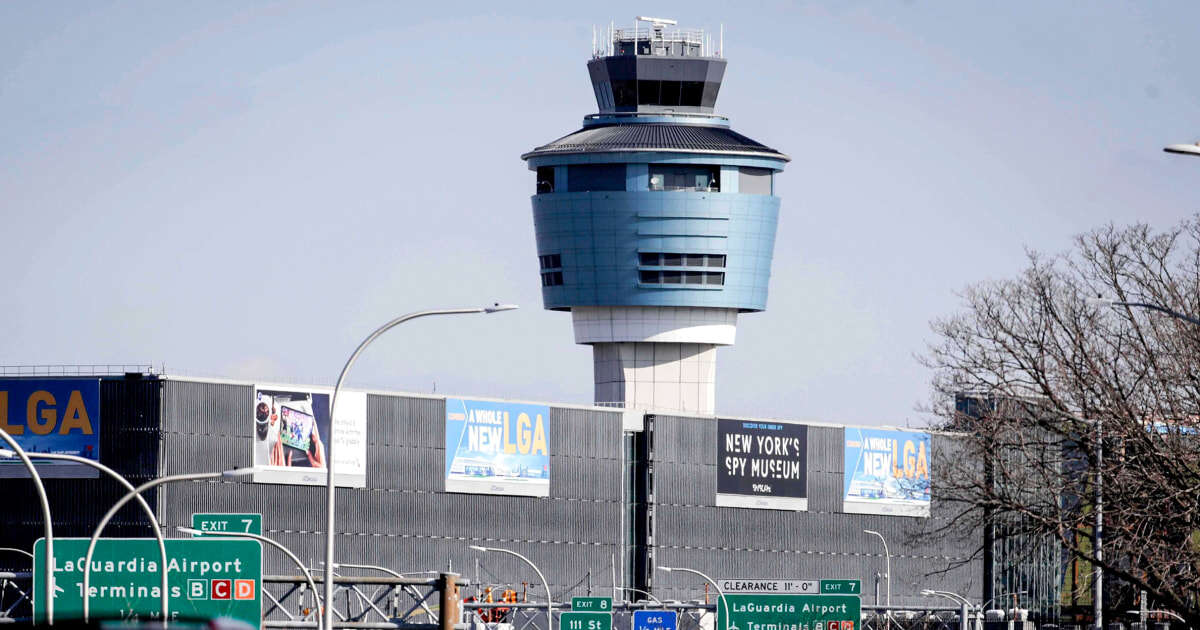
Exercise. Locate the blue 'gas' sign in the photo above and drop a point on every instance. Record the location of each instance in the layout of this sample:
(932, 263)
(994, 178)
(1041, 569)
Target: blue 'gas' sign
(655, 620)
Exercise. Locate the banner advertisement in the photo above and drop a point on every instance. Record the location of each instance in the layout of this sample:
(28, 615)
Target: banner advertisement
(290, 429)
(762, 465)
(887, 472)
(51, 415)
(497, 448)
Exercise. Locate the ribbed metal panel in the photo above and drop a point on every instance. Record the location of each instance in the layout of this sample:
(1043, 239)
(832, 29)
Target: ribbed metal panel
(820, 543)
(403, 519)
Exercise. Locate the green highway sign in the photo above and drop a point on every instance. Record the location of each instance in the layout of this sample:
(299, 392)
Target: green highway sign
(220, 522)
(789, 612)
(841, 587)
(591, 604)
(207, 578)
(586, 620)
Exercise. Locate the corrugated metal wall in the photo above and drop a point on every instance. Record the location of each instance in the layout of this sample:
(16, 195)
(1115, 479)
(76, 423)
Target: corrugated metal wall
(128, 444)
(402, 519)
(820, 543)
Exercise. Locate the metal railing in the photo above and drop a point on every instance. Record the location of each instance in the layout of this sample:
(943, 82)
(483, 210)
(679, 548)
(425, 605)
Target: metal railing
(668, 36)
(96, 369)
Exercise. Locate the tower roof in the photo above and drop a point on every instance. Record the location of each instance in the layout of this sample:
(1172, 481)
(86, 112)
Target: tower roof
(683, 138)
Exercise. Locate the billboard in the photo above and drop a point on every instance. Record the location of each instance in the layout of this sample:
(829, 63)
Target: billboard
(762, 465)
(497, 448)
(51, 415)
(290, 428)
(886, 472)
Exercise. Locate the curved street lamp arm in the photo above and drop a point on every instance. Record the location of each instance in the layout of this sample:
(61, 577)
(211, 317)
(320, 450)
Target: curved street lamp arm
(87, 563)
(15, 550)
(47, 522)
(545, 583)
(120, 479)
(330, 492)
(638, 590)
(1161, 309)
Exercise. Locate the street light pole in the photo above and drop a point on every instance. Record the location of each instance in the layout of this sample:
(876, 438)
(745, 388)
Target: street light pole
(1098, 534)
(958, 599)
(329, 447)
(720, 593)
(549, 597)
(153, 483)
(288, 552)
(888, 555)
(162, 546)
(47, 524)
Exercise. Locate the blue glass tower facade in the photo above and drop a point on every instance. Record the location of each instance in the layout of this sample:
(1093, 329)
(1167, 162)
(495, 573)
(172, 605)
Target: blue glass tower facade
(655, 221)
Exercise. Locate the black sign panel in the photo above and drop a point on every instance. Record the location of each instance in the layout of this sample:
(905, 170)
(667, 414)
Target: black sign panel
(762, 465)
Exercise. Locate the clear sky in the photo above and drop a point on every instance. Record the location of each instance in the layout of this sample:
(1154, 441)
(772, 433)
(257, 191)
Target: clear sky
(246, 190)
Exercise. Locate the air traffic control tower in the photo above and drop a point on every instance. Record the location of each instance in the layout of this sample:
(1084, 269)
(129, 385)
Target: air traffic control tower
(656, 221)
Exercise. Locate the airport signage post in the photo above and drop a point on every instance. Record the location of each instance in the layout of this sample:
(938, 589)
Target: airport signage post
(216, 523)
(585, 621)
(797, 612)
(207, 578)
(655, 620)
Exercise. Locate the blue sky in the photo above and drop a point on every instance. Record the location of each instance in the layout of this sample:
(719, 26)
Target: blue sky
(246, 190)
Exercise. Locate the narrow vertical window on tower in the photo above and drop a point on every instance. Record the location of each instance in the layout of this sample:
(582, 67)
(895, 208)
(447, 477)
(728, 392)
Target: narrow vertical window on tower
(545, 179)
(551, 266)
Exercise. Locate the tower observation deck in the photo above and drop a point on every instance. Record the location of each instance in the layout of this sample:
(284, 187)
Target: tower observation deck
(655, 221)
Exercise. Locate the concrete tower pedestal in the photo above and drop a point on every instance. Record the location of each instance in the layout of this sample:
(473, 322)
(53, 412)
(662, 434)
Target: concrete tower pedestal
(661, 357)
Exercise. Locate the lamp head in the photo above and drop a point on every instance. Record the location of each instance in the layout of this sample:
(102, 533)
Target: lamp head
(478, 548)
(497, 307)
(1101, 301)
(7, 452)
(239, 472)
(666, 569)
(872, 532)
(1186, 149)
(188, 530)
(927, 592)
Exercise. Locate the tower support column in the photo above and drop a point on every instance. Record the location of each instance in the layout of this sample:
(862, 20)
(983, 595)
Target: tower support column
(653, 375)
(655, 357)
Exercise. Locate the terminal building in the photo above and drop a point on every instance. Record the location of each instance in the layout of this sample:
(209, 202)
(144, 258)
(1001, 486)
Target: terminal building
(655, 227)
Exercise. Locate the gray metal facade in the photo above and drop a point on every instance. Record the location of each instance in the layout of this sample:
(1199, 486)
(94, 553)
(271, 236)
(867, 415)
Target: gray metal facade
(404, 520)
(823, 542)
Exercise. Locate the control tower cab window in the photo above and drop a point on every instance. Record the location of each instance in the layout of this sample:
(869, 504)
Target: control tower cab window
(755, 181)
(685, 178)
(595, 177)
(545, 179)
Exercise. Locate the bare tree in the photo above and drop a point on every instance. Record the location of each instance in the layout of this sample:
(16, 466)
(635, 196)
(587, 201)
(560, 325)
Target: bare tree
(1061, 376)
